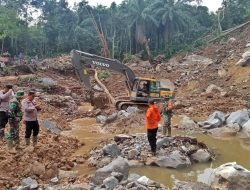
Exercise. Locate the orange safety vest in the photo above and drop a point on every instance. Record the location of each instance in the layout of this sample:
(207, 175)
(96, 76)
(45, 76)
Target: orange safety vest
(153, 117)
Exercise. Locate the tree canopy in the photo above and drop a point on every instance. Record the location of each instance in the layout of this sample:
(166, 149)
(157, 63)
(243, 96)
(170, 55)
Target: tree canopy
(146, 27)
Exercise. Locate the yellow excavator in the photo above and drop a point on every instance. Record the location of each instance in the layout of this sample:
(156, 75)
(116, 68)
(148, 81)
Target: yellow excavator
(141, 90)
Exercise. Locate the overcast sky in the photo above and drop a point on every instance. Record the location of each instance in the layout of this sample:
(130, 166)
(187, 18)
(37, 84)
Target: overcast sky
(213, 5)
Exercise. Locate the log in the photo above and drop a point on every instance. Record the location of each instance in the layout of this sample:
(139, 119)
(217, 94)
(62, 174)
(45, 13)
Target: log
(111, 98)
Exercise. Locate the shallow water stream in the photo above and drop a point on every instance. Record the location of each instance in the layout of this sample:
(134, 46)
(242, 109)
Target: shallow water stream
(226, 150)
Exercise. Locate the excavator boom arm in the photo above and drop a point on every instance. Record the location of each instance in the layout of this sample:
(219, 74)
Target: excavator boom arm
(81, 60)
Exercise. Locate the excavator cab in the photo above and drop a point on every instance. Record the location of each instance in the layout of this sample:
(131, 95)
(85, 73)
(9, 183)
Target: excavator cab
(144, 89)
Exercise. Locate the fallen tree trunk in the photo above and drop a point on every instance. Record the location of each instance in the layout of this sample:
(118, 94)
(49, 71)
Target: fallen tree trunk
(111, 98)
(226, 32)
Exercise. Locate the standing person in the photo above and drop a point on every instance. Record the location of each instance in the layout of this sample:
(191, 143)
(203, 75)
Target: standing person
(153, 117)
(5, 96)
(30, 108)
(15, 117)
(167, 112)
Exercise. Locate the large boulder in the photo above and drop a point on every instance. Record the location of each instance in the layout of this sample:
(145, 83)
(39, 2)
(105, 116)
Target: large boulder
(118, 165)
(246, 129)
(240, 117)
(112, 150)
(174, 160)
(202, 155)
(187, 123)
(214, 120)
(231, 176)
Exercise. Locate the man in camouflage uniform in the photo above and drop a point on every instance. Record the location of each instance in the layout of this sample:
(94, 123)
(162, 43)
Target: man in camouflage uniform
(15, 117)
(167, 112)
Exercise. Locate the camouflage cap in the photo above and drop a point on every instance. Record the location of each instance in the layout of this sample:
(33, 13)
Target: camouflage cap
(19, 94)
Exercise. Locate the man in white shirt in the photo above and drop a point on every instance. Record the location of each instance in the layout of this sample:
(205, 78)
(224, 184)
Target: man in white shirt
(5, 96)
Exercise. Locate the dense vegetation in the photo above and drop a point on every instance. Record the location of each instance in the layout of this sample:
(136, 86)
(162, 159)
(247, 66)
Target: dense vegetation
(145, 27)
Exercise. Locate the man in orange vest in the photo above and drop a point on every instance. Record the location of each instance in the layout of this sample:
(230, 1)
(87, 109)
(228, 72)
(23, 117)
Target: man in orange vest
(167, 112)
(153, 117)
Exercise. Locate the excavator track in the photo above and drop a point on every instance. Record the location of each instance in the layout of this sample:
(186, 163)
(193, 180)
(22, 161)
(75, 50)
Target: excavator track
(123, 105)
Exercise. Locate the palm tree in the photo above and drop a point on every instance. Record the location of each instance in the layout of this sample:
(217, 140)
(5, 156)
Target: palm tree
(171, 16)
(139, 19)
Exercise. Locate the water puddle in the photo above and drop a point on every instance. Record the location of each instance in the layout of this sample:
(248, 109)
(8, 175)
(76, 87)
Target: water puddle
(89, 133)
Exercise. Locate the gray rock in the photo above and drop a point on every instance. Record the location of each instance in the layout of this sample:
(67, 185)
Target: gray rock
(112, 150)
(50, 125)
(214, 120)
(187, 123)
(201, 155)
(213, 89)
(161, 142)
(54, 181)
(174, 160)
(234, 127)
(121, 137)
(132, 110)
(98, 88)
(245, 61)
(132, 154)
(123, 114)
(181, 185)
(82, 186)
(217, 118)
(240, 117)
(133, 177)
(192, 59)
(145, 181)
(118, 165)
(231, 176)
(246, 129)
(110, 183)
(29, 182)
(101, 119)
(117, 175)
(67, 174)
(111, 118)
(206, 177)
(47, 82)
(231, 40)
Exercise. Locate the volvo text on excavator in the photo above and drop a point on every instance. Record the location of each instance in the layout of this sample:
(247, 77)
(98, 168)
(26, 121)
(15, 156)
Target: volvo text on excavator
(141, 90)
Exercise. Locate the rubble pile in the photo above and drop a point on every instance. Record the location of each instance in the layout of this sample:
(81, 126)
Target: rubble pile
(173, 152)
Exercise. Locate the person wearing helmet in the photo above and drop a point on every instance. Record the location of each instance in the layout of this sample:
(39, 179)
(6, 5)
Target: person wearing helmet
(167, 112)
(153, 117)
(15, 117)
